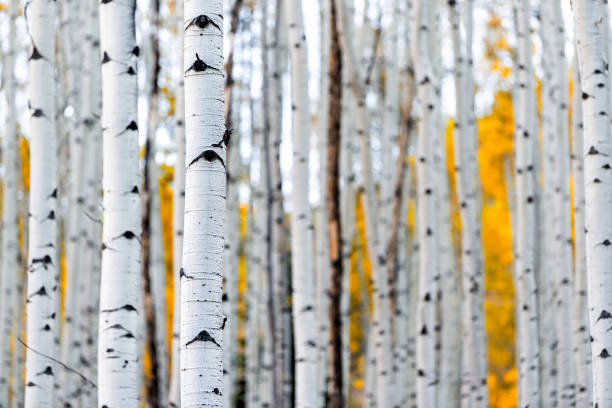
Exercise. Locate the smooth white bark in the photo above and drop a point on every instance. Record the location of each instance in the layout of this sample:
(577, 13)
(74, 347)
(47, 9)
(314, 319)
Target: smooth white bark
(598, 191)
(525, 179)
(43, 272)
(120, 285)
(580, 326)
(202, 321)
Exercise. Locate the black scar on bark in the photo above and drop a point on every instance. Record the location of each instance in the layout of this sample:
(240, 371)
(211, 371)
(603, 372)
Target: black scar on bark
(127, 308)
(183, 274)
(210, 156)
(202, 21)
(35, 54)
(136, 51)
(131, 71)
(604, 315)
(40, 292)
(131, 126)
(38, 113)
(129, 235)
(203, 336)
(45, 260)
(47, 371)
(200, 66)
(134, 190)
(225, 140)
(604, 354)
(223, 324)
(105, 58)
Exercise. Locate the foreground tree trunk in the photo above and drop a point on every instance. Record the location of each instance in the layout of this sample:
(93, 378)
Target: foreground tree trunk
(525, 263)
(120, 298)
(42, 293)
(598, 190)
(202, 321)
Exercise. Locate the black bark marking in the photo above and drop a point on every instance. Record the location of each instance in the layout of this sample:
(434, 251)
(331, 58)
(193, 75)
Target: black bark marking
(202, 21)
(131, 126)
(45, 260)
(604, 354)
(105, 58)
(47, 371)
(182, 274)
(225, 140)
(127, 308)
(40, 292)
(203, 336)
(208, 155)
(53, 194)
(136, 51)
(200, 66)
(35, 54)
(129, 235)
(38, 113)
(604, 315)
(223, 324)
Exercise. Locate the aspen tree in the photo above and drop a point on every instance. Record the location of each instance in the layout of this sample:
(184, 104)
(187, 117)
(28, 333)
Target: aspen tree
(178, 213)
(118, 354)
(427, 228)
(9, 251)
(566, 392)
(598, 227)
(301, 222)
(580, 326)
(525, 145)
(202, 321)
(42, 289)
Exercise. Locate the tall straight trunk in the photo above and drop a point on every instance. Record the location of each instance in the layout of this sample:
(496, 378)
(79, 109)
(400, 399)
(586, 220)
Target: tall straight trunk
(524, 259)
(43, 272)
(566, 392)
(178, 214)
(9, 264)
(301, 218)
(332, 198)
(597, 179)
(202, 320)
(120, 298)
(427, 228)
(580, 326)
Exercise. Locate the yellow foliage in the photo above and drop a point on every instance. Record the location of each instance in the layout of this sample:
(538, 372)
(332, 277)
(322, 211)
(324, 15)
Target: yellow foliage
(24, 154)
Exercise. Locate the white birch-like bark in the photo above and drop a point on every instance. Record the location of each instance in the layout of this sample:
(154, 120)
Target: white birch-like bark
(178, 214)
(306, 393)
(597, 179)
(566, 392)
(202, 321)
(43, 272)
(525, 178)
(580, 326)
(9, 251)
(120, 299)
(427, 227)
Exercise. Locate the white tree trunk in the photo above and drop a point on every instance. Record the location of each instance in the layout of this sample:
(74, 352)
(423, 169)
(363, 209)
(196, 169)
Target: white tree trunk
(178, 214)
(120, 299)
(202, 321)
(525, 264)
(9, 251)
(597, 179)
(306, 394)
(427, 227)
(580, 326)
(43, 271)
